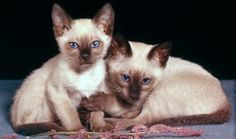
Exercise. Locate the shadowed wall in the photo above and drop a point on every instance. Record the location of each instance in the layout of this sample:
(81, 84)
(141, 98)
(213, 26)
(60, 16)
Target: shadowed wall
(200, 31)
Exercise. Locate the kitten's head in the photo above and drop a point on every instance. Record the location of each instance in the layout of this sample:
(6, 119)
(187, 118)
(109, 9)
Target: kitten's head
(134, 69)
(83, 41)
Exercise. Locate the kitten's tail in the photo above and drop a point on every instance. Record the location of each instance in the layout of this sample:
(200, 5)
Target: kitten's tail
(37, 128)
(218, 117)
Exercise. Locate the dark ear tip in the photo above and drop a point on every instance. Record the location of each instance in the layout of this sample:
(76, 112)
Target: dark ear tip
(117, 37)
(108, 5)
(167, 45)
(56, 6)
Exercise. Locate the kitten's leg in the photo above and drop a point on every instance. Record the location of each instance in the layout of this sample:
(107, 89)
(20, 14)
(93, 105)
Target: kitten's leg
(218, 117)
(96, 102)
(145, 117)
(37, 128)
(149, 119)
(64, 109)
(98, 123)
(130, 114)
(110, 123)
(103, 102)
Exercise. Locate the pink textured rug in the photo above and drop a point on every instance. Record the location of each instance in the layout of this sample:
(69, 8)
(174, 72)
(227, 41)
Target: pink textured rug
(137, 132)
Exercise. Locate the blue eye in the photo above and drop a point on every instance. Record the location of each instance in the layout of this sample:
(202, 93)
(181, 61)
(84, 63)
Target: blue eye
(146, 81)
(95, 44)
(125, 77)
(74, 45)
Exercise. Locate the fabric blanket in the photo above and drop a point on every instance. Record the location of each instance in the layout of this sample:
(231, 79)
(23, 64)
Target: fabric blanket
(223, 131)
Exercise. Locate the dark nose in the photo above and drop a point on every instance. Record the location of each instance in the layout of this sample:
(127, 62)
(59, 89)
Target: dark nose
(134, 95)
(85, 54)
(134, 91)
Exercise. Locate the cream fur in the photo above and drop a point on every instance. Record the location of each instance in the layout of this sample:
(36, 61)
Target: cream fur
(185, 89)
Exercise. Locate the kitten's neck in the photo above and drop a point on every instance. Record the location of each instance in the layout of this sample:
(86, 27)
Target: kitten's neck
(81, 82)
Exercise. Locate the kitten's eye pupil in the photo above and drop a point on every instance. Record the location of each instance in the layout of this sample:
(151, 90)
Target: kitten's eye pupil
(95, 44)
(146, 81)
(74, 45)
(125, 77)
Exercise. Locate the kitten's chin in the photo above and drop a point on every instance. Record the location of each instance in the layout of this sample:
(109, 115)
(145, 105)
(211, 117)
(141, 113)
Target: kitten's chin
(82, 65)
(85, 66)
(79, 68)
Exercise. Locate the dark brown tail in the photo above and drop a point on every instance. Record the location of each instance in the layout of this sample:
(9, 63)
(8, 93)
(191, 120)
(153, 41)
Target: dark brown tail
(217, 117)
(37, 128)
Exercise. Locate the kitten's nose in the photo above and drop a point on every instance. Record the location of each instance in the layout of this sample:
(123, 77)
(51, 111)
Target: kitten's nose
(134, 96)
(134, 91)
(85, 54)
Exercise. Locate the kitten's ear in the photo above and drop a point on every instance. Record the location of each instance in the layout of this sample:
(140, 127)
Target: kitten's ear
(104, 19)
(119, 47)
(61, 20)
(160, 53)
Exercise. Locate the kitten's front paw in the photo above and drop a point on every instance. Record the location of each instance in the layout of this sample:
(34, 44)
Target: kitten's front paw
(108, 126)
(118, 124)
(94, 102)
(98, 124)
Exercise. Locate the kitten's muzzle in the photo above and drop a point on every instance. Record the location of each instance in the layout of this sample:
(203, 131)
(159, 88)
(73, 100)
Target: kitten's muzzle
(134, 91)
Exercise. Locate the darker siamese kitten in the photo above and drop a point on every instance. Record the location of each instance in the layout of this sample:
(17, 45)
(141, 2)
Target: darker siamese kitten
(146, 86)
(49, 97)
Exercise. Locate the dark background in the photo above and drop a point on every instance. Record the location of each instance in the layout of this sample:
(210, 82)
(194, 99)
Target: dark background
(200, 31)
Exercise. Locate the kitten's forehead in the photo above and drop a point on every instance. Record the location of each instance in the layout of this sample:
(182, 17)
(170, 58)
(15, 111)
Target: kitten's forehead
(82, 27)
(87, 27)
(139, 55)
(140, 50)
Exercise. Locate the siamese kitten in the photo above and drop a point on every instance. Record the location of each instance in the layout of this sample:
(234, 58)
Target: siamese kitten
(122, 96)
(148, 88)
(49, 97)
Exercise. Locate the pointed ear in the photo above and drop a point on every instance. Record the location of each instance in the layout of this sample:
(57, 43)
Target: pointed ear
(61, 20)
(104, 19)
(119, 47)
(160, 53)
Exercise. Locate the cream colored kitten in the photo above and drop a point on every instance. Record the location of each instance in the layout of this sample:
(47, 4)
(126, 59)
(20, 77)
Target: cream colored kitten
(49, 97)
(145, 88)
